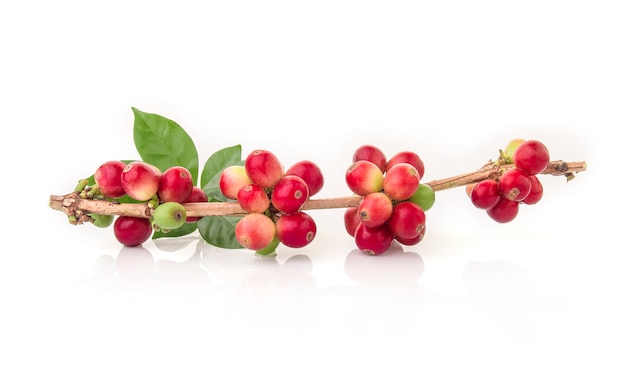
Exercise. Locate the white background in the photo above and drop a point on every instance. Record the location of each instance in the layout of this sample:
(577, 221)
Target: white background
(538, 301)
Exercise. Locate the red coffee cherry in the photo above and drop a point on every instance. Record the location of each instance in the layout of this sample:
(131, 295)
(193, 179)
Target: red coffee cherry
(401, 181)
(296, 230)
(255, 231)
(197, 195)
(375, 209)
(363, 177)
(536, 191)
(407, 157)
(407, 220)
(485, 194)
(175, 185)
(108, 177)
(504, 211)
(531, 156)
(131, 231)
(514, 184)
(310, 173)
(264, 168)
(371, 153)
(253, 198)
(140, 180)
(289, 194)
(373, 240)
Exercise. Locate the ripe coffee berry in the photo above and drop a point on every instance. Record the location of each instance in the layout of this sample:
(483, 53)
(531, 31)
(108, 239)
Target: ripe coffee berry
(407, 157)
(371, 153)
(531, 156)
(108, 177)
(514, 184)
(485, 194)
(140, 180)
(253, 198)
(255, 231)
(131, 231)
(264, 168)
(351, 219)
(297, 229)
(373, 240)
(536, 191)
(401, 181)
(289, 194)
(175, 185)
(407, 220)
(363, 177)
(310, 173)
(375, 209)
(504, 211)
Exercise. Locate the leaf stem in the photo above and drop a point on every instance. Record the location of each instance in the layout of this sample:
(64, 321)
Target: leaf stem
(72, 204)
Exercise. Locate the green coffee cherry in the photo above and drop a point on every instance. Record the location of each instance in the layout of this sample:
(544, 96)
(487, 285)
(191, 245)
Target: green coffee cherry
(269, 250)
(100, 220)
(169, 215)
(424, 197)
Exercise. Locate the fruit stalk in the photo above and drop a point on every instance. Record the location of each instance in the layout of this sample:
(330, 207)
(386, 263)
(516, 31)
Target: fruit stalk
(72, 204)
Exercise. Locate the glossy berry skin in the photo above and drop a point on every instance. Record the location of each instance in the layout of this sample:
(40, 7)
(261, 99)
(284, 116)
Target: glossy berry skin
(485, 194)
(289, 194)
(424, 197)
(375, 209)
(373, 240)
(131, 231)
(232, 179)
(407, 157)
(297, 229)
(253, 198)
(536, 191)
(255, 231)
(412, 241)
(531, 156)
(514, 184)
(197, 195)
(504, 211)
(371, 153)
(363, 177)
(264, 168)
(310, 173)
(407, 220)
(351, 219)
(169, 215)
(175, 185)
(108, 177)
(401, 181)
(140, 180)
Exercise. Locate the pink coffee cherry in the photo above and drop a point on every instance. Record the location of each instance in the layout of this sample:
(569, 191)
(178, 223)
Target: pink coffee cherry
(363, 177)
(232, 179)
(375, 209)
(108, 177)
(255, 231)
(401, 181)
(175, 185)
(253, 198)
(371, 153)
(131, 231)
(289, 194)
(531, 156)
(296, 229)
(310, 173)
(514, 184)
(140, 180)
(407, 157)
(264, 168)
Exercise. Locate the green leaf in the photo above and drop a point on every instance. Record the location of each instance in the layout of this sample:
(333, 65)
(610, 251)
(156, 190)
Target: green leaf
(219, 231)
(185, 229)
(163, 143)
(214, 166)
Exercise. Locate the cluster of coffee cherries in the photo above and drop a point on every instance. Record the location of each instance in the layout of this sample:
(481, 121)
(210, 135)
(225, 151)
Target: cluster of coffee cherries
(502, 196)
(272, 198)
(393, 200)
(165, 192)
